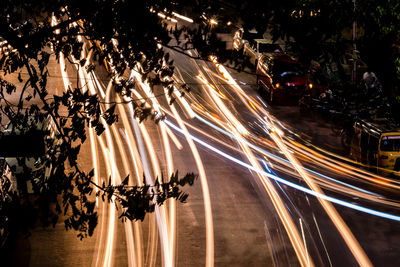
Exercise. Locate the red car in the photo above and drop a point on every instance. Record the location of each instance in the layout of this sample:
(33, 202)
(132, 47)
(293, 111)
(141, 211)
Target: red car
(282, 77)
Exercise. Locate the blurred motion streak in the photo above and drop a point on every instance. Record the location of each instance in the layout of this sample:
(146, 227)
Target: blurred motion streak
(347, 235)
(237, 129)
(204, 187)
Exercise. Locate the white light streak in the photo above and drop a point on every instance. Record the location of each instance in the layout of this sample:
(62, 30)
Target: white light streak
(204, 187)
(182, 17)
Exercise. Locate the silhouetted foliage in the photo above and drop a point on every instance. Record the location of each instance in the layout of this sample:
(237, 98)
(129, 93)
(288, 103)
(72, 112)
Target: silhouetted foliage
(125, 33)
(319, 26)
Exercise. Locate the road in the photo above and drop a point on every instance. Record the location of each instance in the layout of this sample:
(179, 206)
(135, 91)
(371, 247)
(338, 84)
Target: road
(324, 236)
(270, 192)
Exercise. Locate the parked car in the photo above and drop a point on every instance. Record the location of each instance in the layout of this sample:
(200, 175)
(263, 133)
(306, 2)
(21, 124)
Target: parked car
(281, 76)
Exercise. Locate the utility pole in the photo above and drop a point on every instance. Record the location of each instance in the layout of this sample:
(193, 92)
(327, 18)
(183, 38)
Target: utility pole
(355, 55)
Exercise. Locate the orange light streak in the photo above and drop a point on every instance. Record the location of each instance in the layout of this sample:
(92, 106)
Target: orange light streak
(342, 167)
(343, 229)
(204, 187)
(182, 17)
(335, 217)
(232, 119)
(286, 219)
(290, 227)
(63, 72)
(167, 235)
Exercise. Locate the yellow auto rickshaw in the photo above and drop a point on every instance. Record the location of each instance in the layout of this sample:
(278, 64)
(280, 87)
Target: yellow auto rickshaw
(377, 145)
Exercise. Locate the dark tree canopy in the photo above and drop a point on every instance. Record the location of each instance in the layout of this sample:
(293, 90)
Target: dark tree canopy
(125, 34)
(316, 24)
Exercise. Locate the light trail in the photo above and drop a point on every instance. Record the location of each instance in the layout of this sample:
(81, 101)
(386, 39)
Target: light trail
(130, 243)
(110, 155)
(304, 241)
(172, 202)
(346, 234)
(161, 15)
(233, 83)
(63, 72)
(279, 159)
(160, 211)
(111, 220)
(359, 254)
(141, 133)
(342, 167)
(133, 259)
(99, 85)
(167, 234)
(96, 167)
(322, 240)
(335, 165)
(288, 183)
(182, 17)
(115, 178)
(130, 139)
(343, 229)
(225, 111)
(347, 168)
(290, 227)
(138, 170)
(326, 181)
(189, 111)
(135, 155)
(174, 139)
(152, 244)
(204, 187)
(165, 132)
(102, 244)
(107, 258)
(110, 158)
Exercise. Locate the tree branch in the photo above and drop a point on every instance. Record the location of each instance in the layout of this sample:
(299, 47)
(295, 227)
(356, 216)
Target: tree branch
(22, 93)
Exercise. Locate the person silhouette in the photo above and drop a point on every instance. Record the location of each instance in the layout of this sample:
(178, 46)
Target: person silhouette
(370, 79)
